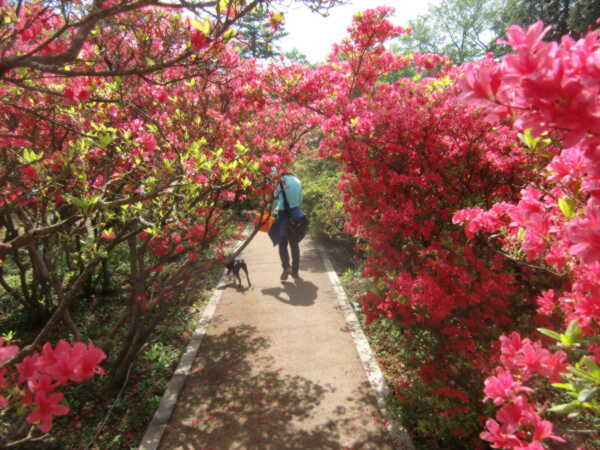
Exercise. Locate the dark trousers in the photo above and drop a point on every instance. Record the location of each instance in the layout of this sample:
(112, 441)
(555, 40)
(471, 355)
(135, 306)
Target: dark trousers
(285, 256)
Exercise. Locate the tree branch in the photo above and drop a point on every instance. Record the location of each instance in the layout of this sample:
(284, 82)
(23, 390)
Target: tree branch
(32, 236)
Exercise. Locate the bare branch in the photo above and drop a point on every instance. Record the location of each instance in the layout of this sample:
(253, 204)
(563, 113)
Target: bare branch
(32, 236)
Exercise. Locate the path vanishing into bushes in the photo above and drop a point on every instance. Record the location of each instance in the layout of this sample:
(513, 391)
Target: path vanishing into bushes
(281, 365)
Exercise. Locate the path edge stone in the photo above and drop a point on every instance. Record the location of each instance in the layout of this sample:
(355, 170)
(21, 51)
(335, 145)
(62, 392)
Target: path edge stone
(399, 434)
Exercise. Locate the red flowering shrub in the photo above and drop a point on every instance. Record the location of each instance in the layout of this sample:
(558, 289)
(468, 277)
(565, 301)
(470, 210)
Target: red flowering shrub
(129, 136)
(413, 154)
(137, 140)
(553, 91)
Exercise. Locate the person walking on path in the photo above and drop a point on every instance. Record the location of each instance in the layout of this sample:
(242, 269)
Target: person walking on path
(288, 190)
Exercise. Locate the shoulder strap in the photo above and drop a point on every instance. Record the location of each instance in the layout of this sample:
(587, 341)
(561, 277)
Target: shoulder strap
(285, 200)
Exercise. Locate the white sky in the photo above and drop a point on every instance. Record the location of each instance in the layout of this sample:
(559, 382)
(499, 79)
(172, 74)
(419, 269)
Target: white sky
(314, 35)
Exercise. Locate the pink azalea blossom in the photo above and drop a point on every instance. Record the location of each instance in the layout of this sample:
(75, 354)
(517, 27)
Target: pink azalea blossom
(7, 351)
(585, 235)
(546, 302)
(41, 383)
(47, 406)
(87, 363)
(27, 368)
(502, 388)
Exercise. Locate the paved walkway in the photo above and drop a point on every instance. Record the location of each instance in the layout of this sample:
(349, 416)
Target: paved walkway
(277, 368)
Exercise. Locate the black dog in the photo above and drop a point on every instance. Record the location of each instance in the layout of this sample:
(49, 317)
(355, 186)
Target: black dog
(233, 268)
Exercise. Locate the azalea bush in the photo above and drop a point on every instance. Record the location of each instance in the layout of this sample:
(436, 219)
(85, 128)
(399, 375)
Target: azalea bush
(129, 130)
(412, 154)
(422, 157)
(550, 92)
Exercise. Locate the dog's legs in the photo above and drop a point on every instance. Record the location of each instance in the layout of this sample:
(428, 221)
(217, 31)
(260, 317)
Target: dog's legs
(245, 269)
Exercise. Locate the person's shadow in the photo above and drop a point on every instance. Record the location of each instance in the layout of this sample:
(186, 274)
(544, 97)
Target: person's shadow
(298, 293)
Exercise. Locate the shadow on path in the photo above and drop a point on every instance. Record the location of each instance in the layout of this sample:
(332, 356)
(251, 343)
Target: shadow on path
(297, 293)
(310, 259)
(236, 398)
(232, 284)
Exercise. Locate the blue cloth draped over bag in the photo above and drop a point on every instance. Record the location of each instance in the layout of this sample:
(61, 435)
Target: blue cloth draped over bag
(280, 228)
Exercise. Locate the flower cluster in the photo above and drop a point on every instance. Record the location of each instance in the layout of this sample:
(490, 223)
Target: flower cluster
(553, 90)
(432, 165)
(40, 374)
(146, 138)
(518, 426)
(518, 422)
(412, 153)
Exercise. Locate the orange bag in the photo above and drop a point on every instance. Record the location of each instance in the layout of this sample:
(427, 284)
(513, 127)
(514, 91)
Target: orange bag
(267, 220)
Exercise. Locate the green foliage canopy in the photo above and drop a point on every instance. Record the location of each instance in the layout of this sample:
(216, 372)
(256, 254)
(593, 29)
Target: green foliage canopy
(572, 17)
(460, 29)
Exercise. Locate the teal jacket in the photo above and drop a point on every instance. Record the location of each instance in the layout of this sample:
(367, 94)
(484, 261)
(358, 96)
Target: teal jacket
(293, 192)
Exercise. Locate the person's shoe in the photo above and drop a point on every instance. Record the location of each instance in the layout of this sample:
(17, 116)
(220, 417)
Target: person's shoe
(285, 274)
(296, 276)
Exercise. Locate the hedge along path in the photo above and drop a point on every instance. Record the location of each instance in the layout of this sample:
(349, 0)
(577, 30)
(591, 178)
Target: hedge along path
(277, 367)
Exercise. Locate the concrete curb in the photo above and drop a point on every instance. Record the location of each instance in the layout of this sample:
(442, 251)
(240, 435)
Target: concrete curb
(159, 422)
(401, 437)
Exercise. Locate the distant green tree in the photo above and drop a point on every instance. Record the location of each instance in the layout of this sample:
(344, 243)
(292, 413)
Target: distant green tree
(460, 29)
(466, 29)
(258, 35)
(297, 56)
(572, 17)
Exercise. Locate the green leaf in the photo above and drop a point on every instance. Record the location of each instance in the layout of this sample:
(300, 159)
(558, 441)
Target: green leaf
(78, 202)
(586, 394)
(241, 148)
(553, 334)
(92, 200)
(203, 27)
(587, 361)
(29, 156)
(566, 386)
(594, 378)
(565, 408)
(105, 140)
(527, 139)
(567, 207)
(8, 336)
(573, 332)
(230, 33)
